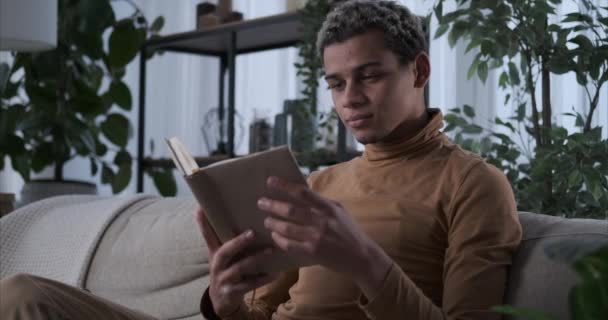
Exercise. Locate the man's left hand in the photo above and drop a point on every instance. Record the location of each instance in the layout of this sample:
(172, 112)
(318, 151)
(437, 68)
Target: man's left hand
(323, 232)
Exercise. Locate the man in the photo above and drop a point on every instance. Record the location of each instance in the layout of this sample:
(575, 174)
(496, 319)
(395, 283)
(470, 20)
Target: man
(415, 228)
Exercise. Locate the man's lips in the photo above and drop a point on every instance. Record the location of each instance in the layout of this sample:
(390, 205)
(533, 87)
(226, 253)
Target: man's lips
(359, 120)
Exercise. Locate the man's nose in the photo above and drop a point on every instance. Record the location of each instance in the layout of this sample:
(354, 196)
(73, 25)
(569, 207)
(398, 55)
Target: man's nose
(353, 95)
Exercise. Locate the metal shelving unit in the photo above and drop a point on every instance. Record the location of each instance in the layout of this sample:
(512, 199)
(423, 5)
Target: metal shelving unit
(226, 42)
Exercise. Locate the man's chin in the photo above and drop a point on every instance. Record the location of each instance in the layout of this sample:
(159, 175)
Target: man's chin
(364, 138)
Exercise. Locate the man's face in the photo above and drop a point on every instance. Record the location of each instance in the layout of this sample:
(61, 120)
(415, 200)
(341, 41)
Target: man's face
(374, 94)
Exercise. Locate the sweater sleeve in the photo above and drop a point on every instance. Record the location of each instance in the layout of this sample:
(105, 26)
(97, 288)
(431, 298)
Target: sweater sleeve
(483, 233)
(261, 303)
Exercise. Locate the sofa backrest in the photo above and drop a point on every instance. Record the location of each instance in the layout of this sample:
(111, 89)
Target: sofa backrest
(153, 259)
(161, 233)
(538, 282)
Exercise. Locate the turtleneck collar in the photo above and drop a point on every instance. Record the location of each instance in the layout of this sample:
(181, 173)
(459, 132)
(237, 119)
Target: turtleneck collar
(407, 147)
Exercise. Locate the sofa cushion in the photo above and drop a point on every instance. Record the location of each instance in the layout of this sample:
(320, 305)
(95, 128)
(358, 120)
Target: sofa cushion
(153, 259)
(537, 282)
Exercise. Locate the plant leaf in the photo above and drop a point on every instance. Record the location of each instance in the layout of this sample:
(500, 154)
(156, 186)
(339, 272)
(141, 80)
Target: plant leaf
(472, 70)
(4, 75)
(604, 78)
(21, 164)
(580, 122)
(120, 93)
(121, 179)
(574, 179)
(472, 129)
(482, 71)
(94, 166)
(40, 96)
(125, 42)
(96, 17)
(513, 74)
(86, 100)
(116, 128)
(441, 30)
(577, 17)
(164, 182)
(503, 80)
(583, 42)
(11, 118)
(46, 65)
(594, 185)
(468, 111)
(439, 12)
(79, 131)
(158, 24)
(91, 46)
(107, 175)
(458, 30)
(521, 112)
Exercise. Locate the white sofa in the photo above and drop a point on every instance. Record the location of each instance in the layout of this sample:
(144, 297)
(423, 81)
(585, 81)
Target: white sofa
(147, 253)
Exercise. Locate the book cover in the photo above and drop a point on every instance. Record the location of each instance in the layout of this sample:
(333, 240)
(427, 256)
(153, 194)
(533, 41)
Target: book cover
(228, 192)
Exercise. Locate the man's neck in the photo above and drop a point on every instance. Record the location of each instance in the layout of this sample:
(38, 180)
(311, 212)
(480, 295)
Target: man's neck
(407, 129)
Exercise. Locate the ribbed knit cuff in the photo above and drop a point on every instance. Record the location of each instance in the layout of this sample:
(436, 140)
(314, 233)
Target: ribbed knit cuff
(208, 311)
(207, 307)
(379, 304)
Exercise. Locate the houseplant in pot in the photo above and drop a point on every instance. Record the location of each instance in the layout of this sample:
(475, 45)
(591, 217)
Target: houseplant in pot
(71, 102)
(552, 169)
(309, 69)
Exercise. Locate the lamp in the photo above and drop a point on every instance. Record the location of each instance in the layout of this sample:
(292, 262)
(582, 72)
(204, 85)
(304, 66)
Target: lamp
(28, 25)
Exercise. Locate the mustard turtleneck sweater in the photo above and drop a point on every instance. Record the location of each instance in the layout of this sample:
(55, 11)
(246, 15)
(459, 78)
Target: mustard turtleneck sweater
(446, 218)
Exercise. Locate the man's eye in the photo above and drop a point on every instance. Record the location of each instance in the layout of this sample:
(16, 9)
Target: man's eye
(334, 85)
(371, 76)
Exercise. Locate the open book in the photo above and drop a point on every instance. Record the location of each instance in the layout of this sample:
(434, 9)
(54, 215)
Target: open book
(228, 192)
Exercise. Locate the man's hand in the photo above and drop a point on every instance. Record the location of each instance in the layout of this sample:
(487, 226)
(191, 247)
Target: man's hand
(322, 231)
(228, 284)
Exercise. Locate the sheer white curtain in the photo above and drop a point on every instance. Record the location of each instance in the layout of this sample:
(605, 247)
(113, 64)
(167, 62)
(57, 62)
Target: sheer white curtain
(182, 89)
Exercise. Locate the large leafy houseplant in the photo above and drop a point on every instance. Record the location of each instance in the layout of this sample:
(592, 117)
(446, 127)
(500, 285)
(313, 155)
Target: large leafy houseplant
(71, 101)
(552, 170)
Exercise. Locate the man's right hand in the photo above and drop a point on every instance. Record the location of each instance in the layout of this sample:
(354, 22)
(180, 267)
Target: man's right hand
(229, 278)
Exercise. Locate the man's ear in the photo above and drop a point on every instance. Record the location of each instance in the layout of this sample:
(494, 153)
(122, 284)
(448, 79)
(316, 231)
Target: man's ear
(422, 69)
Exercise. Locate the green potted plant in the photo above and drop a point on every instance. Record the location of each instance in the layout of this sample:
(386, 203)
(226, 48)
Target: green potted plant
(310, 70)
(71, 101)
(558, 172)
